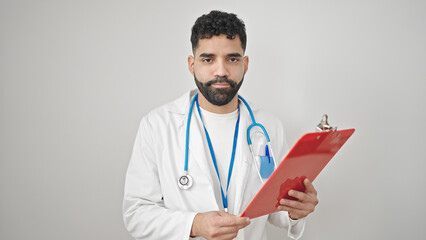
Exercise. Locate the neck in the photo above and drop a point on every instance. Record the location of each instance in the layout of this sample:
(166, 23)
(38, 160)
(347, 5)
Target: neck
(228, 108)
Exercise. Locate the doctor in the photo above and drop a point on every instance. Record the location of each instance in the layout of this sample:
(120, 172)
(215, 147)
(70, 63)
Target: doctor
(202, 137)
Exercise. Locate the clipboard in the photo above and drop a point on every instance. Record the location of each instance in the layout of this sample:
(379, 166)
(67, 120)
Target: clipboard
(306, 159)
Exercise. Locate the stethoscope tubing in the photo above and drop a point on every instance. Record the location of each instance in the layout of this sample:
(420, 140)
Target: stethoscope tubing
(254, 124)
(188, 124)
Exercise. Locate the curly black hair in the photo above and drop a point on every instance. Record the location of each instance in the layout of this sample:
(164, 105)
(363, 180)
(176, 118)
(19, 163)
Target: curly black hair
(216, 23)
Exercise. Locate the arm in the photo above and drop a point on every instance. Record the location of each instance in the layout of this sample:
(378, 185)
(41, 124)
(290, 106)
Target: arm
(144, 214)
(298, 210)
(306, 201)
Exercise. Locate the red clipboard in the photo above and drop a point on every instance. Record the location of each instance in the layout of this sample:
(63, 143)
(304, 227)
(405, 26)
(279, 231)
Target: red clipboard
(306, 159)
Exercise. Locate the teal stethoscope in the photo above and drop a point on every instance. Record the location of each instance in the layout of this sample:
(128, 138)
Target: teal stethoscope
(267, 162)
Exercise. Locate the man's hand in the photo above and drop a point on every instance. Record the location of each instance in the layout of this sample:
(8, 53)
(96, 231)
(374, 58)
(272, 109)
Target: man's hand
(218, 225)
(304, 205)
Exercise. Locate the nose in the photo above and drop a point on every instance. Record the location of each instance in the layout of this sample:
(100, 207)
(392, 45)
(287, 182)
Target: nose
(221, 69)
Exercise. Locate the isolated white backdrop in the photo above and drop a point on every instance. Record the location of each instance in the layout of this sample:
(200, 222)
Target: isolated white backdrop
(77, 76)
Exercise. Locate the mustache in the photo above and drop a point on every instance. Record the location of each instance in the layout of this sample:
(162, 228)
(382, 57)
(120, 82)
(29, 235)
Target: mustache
(231, 82)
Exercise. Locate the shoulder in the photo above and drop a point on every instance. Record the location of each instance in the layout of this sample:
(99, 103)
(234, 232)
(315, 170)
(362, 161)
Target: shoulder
(264, 116)
(173, 110)
(268, 117)
(273, 126)
(271, 122)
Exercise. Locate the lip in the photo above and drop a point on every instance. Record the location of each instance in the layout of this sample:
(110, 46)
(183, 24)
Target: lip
(220, 85)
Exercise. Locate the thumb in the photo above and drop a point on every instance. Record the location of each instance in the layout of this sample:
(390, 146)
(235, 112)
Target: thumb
(309, 186)
(224, 214)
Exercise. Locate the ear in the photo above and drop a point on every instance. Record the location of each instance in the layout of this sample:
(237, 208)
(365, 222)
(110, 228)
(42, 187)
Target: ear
(191, 64)
(246, 62)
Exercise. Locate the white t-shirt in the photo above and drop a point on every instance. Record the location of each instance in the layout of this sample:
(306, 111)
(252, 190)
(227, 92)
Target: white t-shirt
(221, 129)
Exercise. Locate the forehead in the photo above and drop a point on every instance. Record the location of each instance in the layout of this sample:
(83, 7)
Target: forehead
(219, 45)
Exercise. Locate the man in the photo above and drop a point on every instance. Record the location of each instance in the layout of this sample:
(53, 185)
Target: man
(205, 148)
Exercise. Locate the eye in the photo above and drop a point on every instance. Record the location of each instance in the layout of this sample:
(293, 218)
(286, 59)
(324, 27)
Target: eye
(234, 59)
(207, 60)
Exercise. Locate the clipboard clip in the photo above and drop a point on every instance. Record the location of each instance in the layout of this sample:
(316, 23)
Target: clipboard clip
(324, 126)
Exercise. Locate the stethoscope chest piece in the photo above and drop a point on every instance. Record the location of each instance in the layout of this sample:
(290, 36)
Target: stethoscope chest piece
(185, 182)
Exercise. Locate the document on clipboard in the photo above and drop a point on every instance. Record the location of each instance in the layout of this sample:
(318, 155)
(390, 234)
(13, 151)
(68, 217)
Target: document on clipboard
(306, 159)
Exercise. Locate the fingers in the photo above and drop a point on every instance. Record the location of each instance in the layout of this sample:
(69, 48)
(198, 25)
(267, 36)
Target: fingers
(301, 196)
(229, 236)
(296, 209)
(294, 213)
(221, 225)
(310, 195)
(292, 204)
(305, 203)
(309, 187)
(230, 226)
(296, 205)
(227, 230)
(230, 221)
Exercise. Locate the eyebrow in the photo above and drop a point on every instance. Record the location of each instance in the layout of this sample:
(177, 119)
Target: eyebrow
(206, 55)
(212, 55)
(234, 55)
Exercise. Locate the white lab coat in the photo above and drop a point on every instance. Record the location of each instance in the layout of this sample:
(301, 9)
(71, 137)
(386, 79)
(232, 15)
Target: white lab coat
(154, 207)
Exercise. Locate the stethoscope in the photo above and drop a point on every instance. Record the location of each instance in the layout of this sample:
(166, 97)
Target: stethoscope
(186, 181)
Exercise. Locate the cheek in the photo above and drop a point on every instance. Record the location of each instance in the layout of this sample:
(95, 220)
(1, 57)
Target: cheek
(202, 73)
(238, 72)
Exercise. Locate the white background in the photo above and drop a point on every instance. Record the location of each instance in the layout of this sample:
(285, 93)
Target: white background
(77, 76)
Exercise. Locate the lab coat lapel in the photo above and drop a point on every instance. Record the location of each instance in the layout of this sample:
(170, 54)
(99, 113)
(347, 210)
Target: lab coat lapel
(198, 154)
(197, 150)
(244, 158)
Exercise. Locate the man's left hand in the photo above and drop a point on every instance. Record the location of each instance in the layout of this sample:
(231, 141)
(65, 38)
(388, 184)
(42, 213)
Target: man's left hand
(305, 203)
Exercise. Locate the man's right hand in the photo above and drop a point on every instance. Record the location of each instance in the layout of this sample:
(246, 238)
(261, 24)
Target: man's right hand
(218, 225)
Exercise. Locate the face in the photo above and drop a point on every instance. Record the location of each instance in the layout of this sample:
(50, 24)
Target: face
(218, 67)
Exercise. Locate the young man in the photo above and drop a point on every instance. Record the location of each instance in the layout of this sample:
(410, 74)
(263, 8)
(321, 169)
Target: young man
(191, 172)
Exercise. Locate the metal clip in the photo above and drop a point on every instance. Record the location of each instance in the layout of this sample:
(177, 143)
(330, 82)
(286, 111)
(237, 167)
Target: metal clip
(324, 126)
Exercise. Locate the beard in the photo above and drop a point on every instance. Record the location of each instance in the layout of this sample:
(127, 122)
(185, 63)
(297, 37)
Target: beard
(219, 96)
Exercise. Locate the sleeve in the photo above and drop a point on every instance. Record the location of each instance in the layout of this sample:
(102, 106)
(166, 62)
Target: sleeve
(282, 219)
(144, 213)
(295, 227)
